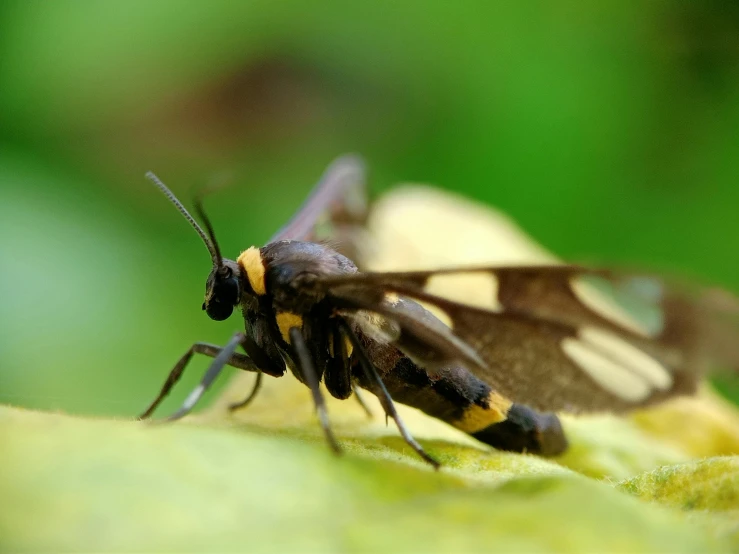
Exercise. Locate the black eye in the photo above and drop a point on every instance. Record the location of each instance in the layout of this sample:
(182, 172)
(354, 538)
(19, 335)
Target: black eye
(227, 291)
(225, 296)
(218, 311)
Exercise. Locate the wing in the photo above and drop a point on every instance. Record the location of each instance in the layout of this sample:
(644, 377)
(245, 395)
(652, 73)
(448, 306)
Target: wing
(336, 209)
(554, 337)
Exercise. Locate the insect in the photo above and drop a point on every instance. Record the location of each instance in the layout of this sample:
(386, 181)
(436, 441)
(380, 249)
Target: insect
(537, 340)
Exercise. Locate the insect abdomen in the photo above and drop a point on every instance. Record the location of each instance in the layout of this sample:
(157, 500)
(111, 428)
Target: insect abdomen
(457, 397)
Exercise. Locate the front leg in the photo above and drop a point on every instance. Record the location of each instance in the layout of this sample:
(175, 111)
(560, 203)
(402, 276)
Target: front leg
(234, 359)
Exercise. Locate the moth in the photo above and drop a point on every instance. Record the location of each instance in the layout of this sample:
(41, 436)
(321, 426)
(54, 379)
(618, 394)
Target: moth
(536, 340)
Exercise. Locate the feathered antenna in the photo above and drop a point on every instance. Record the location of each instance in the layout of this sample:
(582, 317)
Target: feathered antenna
(209, 239)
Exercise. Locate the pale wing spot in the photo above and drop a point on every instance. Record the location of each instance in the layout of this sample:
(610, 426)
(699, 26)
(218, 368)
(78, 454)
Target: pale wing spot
(286, 321)
(478, 289)
(610, 375)
(605, 307)
(629, 355)
(251, 262)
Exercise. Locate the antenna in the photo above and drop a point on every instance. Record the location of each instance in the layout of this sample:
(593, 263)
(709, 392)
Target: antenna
(209, 240)
(218, 260)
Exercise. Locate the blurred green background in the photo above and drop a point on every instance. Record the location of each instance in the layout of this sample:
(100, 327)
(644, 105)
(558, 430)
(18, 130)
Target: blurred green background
(609, 130)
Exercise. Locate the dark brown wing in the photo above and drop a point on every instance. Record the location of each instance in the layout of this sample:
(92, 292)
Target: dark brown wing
(336, 209)
(557, 337)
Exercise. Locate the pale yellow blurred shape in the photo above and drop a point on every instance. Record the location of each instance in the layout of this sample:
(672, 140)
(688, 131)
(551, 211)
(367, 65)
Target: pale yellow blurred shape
(701, 425)
(419, 227)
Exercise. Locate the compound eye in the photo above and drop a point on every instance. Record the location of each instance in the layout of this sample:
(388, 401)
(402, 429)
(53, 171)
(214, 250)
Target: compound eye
(219, 311)
(227, 291)
(225, 295)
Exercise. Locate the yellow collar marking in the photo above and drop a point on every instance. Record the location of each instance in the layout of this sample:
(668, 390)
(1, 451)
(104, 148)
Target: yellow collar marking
(251, 262)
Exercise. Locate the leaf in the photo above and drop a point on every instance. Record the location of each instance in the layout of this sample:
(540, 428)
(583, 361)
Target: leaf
(707, 490)
(211, 484)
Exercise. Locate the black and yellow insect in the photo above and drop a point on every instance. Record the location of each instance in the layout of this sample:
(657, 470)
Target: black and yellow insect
(537, 340)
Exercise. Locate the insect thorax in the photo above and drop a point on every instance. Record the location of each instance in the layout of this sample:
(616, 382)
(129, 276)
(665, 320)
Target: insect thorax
(288, 268)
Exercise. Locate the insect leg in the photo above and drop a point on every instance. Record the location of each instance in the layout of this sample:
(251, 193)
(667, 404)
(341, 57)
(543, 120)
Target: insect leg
(381, 392)
(220, 361)
(309, 374)
(264, 362)
(250, 397)
(338, 375)
(362, 402)
(236, 360)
